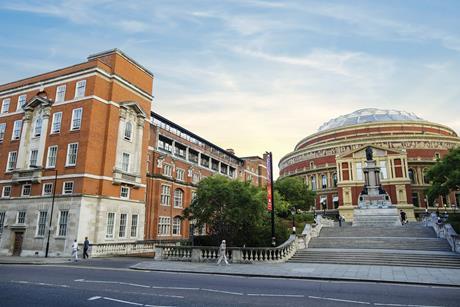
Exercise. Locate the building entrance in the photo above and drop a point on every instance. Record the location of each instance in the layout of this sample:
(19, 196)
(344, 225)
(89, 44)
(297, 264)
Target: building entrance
(17, 248)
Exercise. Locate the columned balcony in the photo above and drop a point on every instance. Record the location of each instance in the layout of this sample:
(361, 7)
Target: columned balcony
(120, 176)
(32, 175)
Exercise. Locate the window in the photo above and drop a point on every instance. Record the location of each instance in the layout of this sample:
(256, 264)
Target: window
(164, 143)
(167, 170)
(411, 176)
(165, 195)
(437, 156)
(334, 179)
(76, 119)
(67, 187)
(125, 162)
(193, 195)
(72, 150)
(80, 89)
(6, 191)
(2, 222)
(134, 218)
(110, 224)
(21, 102)
(38, 126)
(47, 189)
(128, 131)
(122, 230)
(176, 226)
(324, 181)
(180, 173)
(359, 171)
(60, 93)
(63, 217)
(383, 170)
(313, 183)
(11, 165)
(426, 180)
(33, 158)
(16, 130)
(41, 223)
(52, 155)
(5, 105)
(56, 125)
(124, 192)
(26, 189)
(164, 226)
(195, 178)
(178, 198)
(2, 131)
(21, 217)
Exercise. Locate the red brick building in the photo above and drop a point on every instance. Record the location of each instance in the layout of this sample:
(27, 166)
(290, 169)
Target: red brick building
(404, 145)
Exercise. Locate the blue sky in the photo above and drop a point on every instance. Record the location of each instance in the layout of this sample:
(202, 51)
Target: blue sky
(255, 75)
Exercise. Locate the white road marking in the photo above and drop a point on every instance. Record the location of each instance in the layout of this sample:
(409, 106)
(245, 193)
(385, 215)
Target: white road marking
(123, 301)
(94, 298)
(112, 282)
(220, 291)
(174, 288)
(275, 295)
(338, 300)
(38, 283)
(405, 305)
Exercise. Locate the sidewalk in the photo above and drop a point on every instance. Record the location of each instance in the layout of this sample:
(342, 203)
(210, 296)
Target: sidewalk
(33, 260)
(385, 274)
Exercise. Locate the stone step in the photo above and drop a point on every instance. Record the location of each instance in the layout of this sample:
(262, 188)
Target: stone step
(440, 260)
(408, 230)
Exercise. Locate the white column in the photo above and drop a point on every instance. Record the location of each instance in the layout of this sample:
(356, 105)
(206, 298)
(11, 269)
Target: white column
(43, 135)
(24, 142)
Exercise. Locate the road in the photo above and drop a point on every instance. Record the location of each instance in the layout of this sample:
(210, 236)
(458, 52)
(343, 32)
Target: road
(111, 283)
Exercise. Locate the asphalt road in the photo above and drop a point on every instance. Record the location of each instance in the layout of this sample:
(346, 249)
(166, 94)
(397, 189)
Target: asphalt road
(111, 283)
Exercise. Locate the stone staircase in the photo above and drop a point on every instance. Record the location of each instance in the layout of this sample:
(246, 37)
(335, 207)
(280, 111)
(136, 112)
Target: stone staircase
(408, 245)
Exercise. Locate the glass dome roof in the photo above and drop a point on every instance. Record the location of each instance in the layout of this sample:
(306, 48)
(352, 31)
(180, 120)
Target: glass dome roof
(368, 116)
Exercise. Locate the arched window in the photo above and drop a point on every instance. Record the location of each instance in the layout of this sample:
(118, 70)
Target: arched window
(38, 126)
(128, 131)
(178, 198)
(324, 181)
(176, 226)
(313, 183)
(334, 180)
(412, 176)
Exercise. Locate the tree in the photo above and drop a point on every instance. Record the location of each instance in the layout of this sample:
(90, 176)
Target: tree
(444, 175)
(295, 191)
(231, 210)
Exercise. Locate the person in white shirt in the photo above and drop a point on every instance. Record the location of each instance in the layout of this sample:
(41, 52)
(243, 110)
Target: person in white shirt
(222, 253)
(75, 250)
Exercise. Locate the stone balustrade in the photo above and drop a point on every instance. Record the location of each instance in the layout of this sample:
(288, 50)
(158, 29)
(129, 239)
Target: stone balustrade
(234, 254)
(444, 230)
(126, 248)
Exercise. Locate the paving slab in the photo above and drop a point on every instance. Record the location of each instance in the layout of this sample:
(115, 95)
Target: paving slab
(383, 274)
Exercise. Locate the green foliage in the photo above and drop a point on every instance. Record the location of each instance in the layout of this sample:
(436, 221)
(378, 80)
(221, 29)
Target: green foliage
(294, 191)
(444, 175)
(234, 211)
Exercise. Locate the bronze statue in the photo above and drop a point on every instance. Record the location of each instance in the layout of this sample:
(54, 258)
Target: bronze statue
(369, 153)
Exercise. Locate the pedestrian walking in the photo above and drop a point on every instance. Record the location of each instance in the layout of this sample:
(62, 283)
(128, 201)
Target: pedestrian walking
(339, 218)
(403, 217)
(85, 248)
(222, 253)
(75, 250)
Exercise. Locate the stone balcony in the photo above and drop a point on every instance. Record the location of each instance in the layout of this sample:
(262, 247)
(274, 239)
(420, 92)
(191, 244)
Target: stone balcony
(120, 176)
(32, 175)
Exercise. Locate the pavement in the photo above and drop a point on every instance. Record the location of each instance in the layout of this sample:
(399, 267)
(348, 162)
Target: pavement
(319, 271)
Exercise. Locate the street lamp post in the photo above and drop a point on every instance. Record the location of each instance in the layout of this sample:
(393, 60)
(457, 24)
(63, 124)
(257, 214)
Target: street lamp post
(293, 211)
(51, 217)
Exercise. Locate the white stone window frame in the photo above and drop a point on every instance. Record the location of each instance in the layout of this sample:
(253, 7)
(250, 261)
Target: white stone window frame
(66, 190)
(176, 226)
(2, 222)
(125, 192)
(125, 162)
(196, 178)
(4, 189)
(77, 119)
(167, 170)
(49, 157)
(164, 226)
(56, 123)
(5, 105)
(134, 225)
(178, 198)
(109, 231)
(61, 229)
(17, 127)
(122, 226)
(22, 99)
(26, 188)
(70, 161)
(33, 158)
(165, 198)
(2, 131)
(21, 217)
(60, 93)
(38, 125)
(44, 192)
(180, 174)
(41, 224)
(128, 132)
(80, 89)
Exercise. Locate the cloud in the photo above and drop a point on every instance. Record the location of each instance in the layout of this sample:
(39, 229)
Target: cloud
(133, 26)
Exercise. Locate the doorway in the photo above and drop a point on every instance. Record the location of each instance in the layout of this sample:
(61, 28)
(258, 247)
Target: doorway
(17, 248)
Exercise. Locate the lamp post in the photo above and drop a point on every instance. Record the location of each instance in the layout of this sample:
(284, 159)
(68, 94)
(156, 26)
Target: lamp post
(51, 217)
(293, 211)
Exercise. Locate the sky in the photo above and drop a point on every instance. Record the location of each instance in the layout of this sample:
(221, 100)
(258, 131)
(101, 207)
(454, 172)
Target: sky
(255, 75)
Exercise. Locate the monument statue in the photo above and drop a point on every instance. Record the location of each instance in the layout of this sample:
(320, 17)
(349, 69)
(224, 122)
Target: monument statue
(369, 153)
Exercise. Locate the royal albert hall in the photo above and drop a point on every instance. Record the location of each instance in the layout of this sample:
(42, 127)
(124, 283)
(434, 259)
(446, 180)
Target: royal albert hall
(404, 146)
